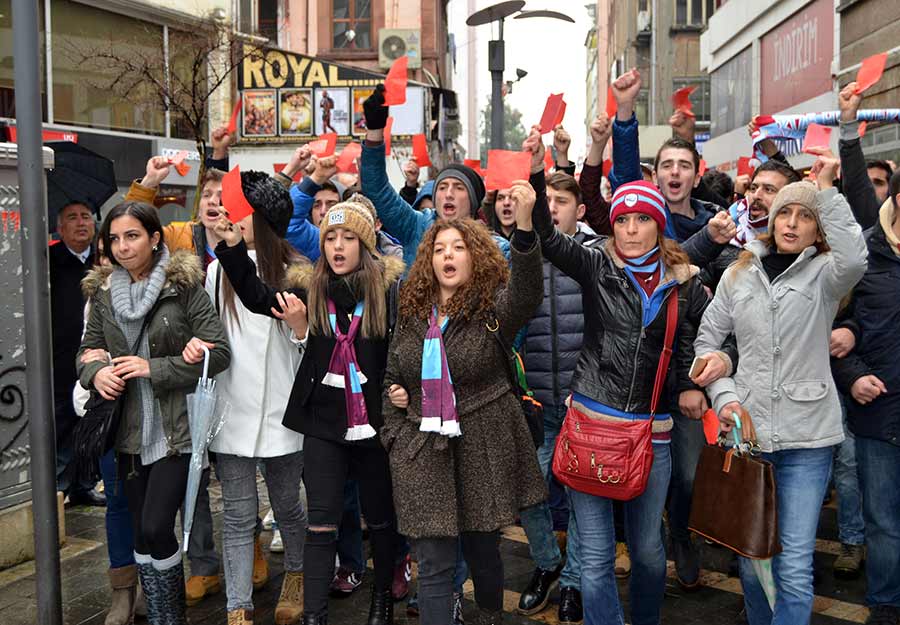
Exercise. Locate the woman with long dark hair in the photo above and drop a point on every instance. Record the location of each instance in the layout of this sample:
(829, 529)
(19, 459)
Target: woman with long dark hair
(146, 309)
(336, 397)
(627, 282)
(257, 385)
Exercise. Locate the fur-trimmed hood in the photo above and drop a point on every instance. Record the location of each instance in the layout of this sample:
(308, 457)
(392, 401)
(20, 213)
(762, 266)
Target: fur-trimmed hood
(681, 273)
(184, 270)
(300, 275)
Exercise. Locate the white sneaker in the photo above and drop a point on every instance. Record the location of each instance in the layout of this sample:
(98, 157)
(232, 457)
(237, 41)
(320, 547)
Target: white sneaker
(276, 546)
(268, 520)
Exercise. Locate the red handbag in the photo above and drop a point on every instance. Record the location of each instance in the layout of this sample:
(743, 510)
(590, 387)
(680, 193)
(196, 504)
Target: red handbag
(613, 459)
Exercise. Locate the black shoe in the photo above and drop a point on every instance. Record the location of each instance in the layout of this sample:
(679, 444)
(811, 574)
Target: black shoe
(687, 564)
(571, 611)
(457, 610)
(535, 596)
(381, 610)
(883, 615)
(87, 498)
(314, 619)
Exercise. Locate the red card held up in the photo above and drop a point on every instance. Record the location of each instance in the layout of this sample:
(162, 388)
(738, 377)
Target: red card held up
(420, 150)
(280, 167)
(475, 164)
(548, 162)
(504, 167)
(870, 72)
(681, 99)
(395, 82)
(232, 123)
(346, 162)
(861, 130)
(611, 105)
(551, 112)
(323, 147)
(387, 136)
(233, 199)
(182, 169)
(817, 136)
(744, 167)
(560, 115)
(703, 167)
(711, 426)
(607, 167)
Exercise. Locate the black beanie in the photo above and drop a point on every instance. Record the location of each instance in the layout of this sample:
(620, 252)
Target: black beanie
(269, 198)
(468, 177)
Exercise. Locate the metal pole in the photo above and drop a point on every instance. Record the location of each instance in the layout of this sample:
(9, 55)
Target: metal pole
(496, 63)
(36, 295)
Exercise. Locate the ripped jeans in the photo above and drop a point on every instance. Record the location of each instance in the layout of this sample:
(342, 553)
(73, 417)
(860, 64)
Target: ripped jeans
(327, 466)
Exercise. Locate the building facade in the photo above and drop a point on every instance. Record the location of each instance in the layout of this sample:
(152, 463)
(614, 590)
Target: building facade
(868, 27)
(661, 38)
(768, 57)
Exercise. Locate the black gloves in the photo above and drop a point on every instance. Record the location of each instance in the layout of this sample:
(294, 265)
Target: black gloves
(375, 111)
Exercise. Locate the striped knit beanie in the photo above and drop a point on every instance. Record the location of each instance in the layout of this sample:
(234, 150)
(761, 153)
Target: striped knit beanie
(639, 197)
(351, 216)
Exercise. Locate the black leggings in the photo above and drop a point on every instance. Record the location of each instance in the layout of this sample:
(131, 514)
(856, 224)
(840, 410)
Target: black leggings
(327, 466)
(437, 563)
(155, 494)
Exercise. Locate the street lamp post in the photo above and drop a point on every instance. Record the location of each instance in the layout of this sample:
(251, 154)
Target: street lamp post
(497, 54)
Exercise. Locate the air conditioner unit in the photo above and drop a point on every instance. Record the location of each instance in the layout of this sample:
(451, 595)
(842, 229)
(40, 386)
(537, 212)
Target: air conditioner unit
(396, 42)
(643, 21)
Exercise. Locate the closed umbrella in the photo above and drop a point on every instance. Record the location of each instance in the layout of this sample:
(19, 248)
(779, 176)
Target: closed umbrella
(206, 416)
(78, 175)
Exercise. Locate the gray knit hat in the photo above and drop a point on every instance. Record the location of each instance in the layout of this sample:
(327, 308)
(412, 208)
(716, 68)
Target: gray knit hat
(802, 193)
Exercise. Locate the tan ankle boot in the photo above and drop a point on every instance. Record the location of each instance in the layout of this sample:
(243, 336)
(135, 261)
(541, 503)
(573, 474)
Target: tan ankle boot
(241, 616)
(124, 585)
(290, 603)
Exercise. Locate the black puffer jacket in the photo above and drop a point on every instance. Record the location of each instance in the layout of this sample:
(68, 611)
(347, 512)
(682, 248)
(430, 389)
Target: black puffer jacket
(874, 309)
(618, 360)
(555, 335)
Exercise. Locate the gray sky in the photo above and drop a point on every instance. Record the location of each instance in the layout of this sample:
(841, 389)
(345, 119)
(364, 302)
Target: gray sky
(551, 51)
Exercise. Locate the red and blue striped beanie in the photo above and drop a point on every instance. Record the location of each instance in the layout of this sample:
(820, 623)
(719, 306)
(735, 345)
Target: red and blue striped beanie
(639, 197)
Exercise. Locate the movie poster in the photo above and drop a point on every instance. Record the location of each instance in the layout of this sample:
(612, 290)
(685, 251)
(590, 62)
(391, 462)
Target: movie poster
(332, 111)
(295, 112)
(259, 113)
(360, 94)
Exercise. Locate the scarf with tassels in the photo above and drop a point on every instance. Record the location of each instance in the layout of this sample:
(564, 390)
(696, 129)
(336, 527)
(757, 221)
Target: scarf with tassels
(343, 372)
(438, 398)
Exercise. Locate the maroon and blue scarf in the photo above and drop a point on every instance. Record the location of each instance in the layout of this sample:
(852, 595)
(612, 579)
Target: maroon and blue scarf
(343, 372)
(438, 397)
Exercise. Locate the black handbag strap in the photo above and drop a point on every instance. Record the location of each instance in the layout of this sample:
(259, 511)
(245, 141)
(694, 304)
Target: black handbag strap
(508, 355)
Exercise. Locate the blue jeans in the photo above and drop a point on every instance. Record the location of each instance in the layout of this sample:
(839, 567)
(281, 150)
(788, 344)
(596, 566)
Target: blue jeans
(851, 527)
(801, 477)
(537, 521)
(643, 518)
(240, 503)
(688, 441)
(119, 537)
(879, 476)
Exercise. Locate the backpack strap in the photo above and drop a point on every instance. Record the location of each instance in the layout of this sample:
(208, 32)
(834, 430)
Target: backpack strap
(393, 304)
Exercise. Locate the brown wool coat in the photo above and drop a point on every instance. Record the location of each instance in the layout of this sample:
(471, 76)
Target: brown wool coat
(478, 481)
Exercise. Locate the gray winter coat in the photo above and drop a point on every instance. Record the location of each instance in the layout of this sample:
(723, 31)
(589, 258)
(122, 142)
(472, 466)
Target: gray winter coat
(782, 328)
(554, 336)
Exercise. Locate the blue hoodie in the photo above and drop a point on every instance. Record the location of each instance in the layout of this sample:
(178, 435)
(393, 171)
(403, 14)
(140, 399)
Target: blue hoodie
(426, 192)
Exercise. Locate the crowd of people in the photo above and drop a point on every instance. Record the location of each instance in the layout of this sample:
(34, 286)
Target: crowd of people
(369, 340)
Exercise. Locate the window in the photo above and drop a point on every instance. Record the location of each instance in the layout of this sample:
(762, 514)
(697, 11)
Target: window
(260, 17)
(351, 24)
(82, 32)
(699, 98)
(7, 81)
(693, 12)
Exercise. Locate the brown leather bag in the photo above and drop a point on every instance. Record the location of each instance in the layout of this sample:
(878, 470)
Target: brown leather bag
(734, 502)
